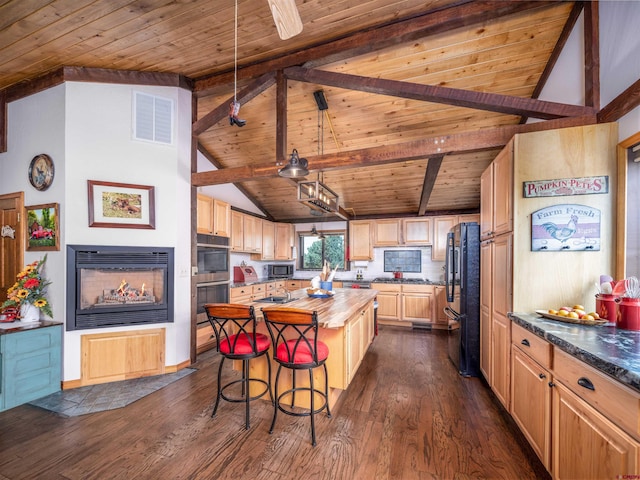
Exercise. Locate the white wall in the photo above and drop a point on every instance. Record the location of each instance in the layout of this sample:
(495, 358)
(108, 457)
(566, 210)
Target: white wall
(619, 62)
(87, 129)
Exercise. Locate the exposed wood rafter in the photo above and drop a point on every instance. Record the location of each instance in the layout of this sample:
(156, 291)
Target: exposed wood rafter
(591, 55)
(433, 167)
(455, 143)
(461, 98)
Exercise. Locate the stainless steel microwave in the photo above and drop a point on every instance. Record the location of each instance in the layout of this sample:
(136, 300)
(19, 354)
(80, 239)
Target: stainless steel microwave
(279, 271)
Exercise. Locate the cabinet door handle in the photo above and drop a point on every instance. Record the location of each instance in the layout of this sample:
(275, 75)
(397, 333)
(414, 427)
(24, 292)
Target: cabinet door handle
(525, 342)
(551, 384)
(542, 375)
(586, 383)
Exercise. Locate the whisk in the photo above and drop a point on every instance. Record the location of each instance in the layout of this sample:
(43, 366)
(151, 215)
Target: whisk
(632, 287)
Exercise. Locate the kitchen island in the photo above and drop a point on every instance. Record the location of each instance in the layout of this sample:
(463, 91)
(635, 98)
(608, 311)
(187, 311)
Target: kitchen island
(347, 327)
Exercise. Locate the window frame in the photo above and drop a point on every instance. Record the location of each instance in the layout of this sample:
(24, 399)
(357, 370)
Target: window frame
(333, 232)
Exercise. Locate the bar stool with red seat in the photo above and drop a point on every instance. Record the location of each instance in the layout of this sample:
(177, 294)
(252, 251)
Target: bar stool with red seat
(294, 336)
(234, 326)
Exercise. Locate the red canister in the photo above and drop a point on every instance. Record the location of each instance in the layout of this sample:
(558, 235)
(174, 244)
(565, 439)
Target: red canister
(628, 313)
(606, 306)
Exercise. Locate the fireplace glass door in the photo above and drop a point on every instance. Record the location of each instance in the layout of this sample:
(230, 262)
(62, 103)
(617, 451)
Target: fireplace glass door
(105, 287)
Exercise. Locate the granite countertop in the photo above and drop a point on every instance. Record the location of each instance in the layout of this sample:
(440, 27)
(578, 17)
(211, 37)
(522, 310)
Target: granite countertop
(17, 326)
(611, 350)
(402, 281)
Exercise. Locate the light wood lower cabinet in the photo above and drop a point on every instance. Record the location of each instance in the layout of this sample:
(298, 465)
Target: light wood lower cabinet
(581, 423)
(531, 403)
(586, 445)
(113, 356)
(500, 358)
(417, 303)
(388, 301)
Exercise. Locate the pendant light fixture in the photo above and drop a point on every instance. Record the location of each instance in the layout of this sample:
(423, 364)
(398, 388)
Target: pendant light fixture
(297, 167)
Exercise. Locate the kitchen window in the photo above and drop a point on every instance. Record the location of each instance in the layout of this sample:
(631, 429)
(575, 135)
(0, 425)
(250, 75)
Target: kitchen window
(316, 247)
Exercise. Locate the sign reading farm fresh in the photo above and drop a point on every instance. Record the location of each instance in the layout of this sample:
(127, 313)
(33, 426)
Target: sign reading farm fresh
(565, 228)
(566, 186)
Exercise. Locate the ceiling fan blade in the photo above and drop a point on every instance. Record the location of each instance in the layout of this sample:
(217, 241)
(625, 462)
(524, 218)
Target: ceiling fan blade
(286, 17)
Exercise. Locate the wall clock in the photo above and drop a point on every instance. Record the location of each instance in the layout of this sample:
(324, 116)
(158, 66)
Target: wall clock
(41, 171)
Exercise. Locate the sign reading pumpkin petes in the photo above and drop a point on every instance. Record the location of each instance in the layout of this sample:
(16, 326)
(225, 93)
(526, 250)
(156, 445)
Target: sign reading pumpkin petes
(566, 186)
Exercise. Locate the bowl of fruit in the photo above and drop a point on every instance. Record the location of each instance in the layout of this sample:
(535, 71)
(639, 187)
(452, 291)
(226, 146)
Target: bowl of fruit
(575, 314)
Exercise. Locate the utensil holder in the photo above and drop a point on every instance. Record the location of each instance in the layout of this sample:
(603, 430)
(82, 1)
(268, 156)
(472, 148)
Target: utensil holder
(606, 306)
(628, 316)
(328, 286)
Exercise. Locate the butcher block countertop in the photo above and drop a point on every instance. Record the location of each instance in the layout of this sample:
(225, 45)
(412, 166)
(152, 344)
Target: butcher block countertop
(333, 312)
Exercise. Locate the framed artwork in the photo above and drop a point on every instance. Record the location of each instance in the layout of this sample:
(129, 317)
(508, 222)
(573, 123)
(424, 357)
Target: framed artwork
(42, 227)
(121, 205)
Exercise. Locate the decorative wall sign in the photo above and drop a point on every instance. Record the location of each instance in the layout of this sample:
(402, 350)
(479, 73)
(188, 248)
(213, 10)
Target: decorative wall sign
(120, 205)
(8, 232)
(566, 186)
(565, 228)
(43, 227)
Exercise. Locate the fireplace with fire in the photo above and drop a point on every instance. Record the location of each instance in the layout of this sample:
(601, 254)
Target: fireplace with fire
(109, 286)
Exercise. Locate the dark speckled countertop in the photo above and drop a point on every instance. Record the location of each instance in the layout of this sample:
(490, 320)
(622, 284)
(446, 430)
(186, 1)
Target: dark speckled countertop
(609, 349)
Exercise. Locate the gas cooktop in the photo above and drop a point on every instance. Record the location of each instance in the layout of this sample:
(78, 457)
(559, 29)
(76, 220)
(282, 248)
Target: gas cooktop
(401, 280)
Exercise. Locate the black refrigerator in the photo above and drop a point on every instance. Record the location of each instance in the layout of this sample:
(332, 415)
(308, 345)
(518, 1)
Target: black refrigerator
(462, 282)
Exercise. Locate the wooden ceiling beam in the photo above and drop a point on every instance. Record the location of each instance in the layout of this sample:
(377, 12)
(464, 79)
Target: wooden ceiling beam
(621, 105)
(486, 139)
(433, 167)
(251, 91)
(492, 102)
(463, 13)
(591, 55)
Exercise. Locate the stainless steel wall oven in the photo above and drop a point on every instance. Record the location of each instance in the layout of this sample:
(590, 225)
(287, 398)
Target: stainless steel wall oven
(213, 274)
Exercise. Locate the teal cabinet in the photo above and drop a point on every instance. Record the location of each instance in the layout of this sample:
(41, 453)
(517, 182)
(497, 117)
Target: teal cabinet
(30, 364)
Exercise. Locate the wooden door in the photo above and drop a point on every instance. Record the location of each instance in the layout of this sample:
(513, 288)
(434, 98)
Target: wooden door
(586, 445)
(441, 227)
(387, 233)
(486, 203)
(503, 190)
(360, 241)
(486, 307)
(531, 403)
(205, 214)
(11, 240)
(221, 218)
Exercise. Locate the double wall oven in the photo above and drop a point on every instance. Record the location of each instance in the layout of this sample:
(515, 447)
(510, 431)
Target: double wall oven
(213, 273)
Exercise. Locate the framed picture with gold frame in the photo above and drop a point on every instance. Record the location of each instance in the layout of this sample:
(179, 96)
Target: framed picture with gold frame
(121, 205)
(43, 227)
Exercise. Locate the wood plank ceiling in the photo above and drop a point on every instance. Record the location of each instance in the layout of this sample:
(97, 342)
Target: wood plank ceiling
(384, 66)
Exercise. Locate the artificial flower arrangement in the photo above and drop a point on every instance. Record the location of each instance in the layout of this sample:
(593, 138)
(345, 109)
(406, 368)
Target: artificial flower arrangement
(30, 287)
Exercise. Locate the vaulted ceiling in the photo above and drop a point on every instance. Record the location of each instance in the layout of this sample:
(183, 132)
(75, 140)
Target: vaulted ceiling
(421, 94)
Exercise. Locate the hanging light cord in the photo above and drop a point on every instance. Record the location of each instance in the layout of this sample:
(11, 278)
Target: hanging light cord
(235, 55)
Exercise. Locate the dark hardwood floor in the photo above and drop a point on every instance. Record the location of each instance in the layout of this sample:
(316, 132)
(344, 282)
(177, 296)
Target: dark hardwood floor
(407, 415)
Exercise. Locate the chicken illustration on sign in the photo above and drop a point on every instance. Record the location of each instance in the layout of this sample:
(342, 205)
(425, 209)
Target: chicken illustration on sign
(565, 228)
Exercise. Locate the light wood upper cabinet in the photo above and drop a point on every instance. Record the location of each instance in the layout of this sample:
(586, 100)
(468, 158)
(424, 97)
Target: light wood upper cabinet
(416, 231)
(204, 205)
(221, 218)
(360, 240)
(496, 195)
(237, 231)
(213, 216)
(387, 232)
(268, 242)
(284, 241)
(394, 232)
(441, 227)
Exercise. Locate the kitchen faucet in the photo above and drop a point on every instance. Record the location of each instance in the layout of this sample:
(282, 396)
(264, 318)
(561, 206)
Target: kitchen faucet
(286, 292)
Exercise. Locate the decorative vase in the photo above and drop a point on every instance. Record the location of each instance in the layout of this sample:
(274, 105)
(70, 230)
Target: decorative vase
(29, 313)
